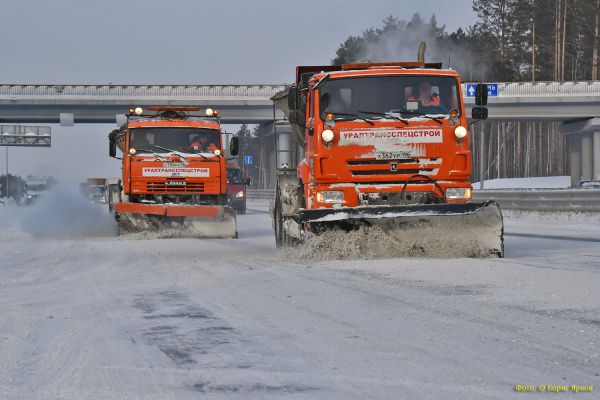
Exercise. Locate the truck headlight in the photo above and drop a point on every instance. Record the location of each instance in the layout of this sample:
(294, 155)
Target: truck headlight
(239, 194)
(460, 132)
(458, 193)
(327, 135)
(330, 196)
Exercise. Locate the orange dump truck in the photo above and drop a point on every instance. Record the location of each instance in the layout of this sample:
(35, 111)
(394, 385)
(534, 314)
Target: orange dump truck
(173, 173)
(386, 146)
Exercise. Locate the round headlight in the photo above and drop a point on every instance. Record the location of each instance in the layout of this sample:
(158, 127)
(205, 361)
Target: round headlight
(460, 132)
(217, 152)
(327, 135)
(132, 151)
(138, 110)
(210, 112)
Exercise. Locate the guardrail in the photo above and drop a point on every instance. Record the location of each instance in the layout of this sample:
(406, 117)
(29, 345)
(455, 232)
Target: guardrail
(543, 199)
(516, 199)
(260, 194)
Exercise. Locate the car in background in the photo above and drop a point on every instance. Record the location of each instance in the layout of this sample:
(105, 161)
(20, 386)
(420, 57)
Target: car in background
(586, 184)
(236, 189)
(37, 188)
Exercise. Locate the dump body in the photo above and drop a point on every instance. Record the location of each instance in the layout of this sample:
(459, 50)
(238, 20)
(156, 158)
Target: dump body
(388, 139)
(173, 176)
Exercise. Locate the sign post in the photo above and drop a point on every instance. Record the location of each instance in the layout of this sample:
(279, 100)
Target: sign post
(23, 136)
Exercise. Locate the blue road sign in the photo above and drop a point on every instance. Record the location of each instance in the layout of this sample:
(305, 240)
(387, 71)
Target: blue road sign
(492, 89)
(248, 160)
(471, 89)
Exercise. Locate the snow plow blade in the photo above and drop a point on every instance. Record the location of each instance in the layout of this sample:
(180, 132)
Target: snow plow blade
(177, 220)
(452, 229)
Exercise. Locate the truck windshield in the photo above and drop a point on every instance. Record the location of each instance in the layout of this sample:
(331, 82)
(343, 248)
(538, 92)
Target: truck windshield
(184, 140)
(234, 176)
(377, 96)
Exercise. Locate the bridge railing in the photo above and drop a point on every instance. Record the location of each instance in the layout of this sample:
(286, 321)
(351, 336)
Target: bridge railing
(179, 91)
(505, 89)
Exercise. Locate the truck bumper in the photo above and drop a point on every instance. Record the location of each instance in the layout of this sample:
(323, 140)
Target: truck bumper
(171, 210)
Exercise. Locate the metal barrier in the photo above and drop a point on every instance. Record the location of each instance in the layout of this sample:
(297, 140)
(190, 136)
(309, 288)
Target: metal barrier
(517, 199)
(260, 194)
(543, 200)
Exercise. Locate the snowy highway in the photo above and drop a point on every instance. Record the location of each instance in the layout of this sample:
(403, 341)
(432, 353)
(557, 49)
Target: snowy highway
(103, 317)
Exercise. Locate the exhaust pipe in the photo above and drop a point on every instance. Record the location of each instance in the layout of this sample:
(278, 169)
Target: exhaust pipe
(421, 54)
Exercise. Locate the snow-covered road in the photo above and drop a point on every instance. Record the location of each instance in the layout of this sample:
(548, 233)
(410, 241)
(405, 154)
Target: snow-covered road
(111, 318)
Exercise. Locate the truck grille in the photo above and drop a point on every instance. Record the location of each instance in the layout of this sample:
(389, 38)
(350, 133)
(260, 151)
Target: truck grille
(384, 167)
(190, 187)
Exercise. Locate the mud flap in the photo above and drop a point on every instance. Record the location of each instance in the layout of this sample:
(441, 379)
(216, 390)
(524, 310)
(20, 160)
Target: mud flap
(223, 225)
(454, 229)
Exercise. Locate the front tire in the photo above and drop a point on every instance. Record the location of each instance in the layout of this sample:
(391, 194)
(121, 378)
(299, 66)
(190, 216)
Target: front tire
(282, 239)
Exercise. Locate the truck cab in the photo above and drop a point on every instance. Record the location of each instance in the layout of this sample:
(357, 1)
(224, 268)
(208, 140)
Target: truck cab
(383, 135)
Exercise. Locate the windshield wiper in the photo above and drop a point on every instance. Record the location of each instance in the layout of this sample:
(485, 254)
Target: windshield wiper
(353, 115)
(201, 155)
(439, 121)
(161, 158)
(171, 151)
(385, 114)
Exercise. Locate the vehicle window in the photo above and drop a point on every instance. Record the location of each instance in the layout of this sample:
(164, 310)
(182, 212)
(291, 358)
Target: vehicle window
(385, 94)
(234, 176)
(185, 140)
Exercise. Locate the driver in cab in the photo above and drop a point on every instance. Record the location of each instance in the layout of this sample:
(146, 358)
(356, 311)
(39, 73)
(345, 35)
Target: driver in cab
(425, 96)
(202, 143)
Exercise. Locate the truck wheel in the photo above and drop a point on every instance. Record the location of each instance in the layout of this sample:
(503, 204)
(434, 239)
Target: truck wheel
(278, 219)
(281, 238)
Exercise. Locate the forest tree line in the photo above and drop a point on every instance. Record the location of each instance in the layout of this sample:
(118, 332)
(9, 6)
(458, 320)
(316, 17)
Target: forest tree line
(511, 41)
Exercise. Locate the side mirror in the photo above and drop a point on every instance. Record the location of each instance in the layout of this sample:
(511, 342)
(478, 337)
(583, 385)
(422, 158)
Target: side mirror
(247, 182)
(234, 146)
(112, 148)
(479, 113)
(292, 95)
(481, 94)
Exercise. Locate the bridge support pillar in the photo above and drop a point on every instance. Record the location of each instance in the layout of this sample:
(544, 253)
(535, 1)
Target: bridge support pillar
(596, 156)
(587, 156)
(575, 157)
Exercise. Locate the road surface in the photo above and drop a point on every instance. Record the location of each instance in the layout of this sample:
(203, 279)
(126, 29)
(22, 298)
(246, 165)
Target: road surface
(93, 316)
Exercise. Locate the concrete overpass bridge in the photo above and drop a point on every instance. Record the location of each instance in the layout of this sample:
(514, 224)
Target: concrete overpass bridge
(101, 103)
(575, 104)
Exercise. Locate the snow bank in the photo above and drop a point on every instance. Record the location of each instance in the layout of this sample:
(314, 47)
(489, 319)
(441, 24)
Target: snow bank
(542, 182)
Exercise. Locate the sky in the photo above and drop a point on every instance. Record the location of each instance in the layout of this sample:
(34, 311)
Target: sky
(174, 41)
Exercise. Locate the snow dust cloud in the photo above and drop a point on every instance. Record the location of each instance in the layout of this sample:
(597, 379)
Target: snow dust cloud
(65, 214)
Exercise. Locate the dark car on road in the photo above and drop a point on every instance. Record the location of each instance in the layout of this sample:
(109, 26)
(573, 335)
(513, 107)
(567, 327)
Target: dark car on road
(236, 189)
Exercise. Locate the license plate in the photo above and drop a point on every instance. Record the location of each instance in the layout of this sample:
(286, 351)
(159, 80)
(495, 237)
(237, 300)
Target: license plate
(174, 165)
(393, 155)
